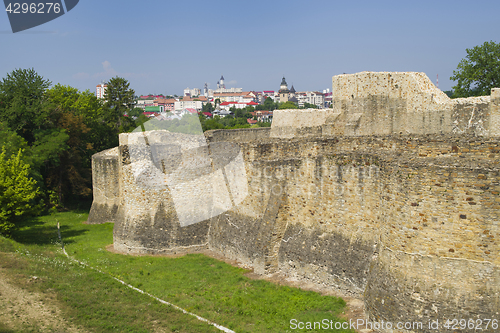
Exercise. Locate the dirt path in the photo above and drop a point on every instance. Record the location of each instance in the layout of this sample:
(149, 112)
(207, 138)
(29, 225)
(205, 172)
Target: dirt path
(25, 311)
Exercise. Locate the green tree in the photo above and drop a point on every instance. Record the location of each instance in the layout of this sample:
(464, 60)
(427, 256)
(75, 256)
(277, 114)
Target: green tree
(207, 107)
(120, 99)
(17, 191)
(269, 104)
(479, 71)
(310, 106)
(242, 113)
(22, 95)
(135, 112)
(10, 140)
(82, 118)
(288, 105)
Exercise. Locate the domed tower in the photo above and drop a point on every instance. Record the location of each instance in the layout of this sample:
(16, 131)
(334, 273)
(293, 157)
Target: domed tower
(284, 92)
(222, 85)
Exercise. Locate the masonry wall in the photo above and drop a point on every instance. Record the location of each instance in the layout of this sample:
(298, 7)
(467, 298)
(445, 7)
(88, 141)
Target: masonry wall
(148, 219)
(386, 103)
(394, 195)
(410, 223)
(105, 180)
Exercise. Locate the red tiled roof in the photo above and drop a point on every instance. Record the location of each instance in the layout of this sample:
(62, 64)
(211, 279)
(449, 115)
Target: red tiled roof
(189, 99)
(251, 121)
(252, 103)
(165, 100)
(191, 110)
(244, 93)
(208, 114)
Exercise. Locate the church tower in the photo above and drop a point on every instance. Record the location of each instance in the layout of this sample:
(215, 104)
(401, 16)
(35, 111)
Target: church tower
(283, 91)
(222, 85)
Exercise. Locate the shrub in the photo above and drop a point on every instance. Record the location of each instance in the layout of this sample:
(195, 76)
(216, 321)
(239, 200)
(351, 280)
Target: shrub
(17, 191)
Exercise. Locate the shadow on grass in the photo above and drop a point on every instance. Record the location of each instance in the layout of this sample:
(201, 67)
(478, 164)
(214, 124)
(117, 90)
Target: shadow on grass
(34, 231)
(4, 329)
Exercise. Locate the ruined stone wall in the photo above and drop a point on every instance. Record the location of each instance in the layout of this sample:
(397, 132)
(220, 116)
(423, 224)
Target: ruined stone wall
(105, 179)
(394, 194)
(410, 223)
(385, 103)
(149, 219)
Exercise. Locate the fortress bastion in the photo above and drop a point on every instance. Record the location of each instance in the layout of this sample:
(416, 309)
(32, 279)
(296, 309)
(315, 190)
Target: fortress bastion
(393, 195)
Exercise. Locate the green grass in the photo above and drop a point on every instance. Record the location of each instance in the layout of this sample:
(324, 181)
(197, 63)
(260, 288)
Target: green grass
(202, 285)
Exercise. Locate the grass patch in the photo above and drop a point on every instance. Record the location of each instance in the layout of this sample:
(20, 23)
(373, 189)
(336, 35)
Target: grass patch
(210, 288)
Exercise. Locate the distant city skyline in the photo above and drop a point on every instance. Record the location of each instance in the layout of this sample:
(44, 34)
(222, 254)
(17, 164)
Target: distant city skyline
(167, 47)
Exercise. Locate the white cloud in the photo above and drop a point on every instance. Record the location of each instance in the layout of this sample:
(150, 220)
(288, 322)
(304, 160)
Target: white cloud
(108, 71)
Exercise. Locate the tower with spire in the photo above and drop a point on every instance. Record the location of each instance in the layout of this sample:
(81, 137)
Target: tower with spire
(284, 92)
(220, 83)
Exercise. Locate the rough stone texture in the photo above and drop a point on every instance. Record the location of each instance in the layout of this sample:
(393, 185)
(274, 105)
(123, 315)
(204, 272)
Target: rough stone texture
(157, 173)
(394, 195)
(411, 223)
(105, 187)
(384, 103)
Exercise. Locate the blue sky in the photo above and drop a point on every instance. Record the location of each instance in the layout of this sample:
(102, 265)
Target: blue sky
(166, 46)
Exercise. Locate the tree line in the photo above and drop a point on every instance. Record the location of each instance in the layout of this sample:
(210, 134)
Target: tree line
(48, 135)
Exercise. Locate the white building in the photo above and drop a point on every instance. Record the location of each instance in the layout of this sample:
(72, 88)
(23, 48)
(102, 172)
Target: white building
(192, 92)
(143, 101)
(240, 97)
(100, 90)
(311, 97)
(190, 103)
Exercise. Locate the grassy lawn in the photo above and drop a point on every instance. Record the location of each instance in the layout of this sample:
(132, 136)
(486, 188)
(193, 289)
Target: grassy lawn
(202, 285)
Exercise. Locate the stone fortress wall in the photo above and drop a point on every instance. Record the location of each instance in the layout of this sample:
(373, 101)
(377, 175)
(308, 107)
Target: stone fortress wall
(394, 194)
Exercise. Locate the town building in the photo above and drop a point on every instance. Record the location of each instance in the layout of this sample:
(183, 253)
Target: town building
(100, 90)
(312, 97)
(167, 103)
(188, 102)
(263, 116)
(192, 92)
(240, 97)
(147, 100)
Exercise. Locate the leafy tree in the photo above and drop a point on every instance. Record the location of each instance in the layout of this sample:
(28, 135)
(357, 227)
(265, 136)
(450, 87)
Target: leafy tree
(17, 191)
(288, 105)
(103, 133)
(449, 93)
(211, 124)
(11, 141)
(82, 120)
(207, 107)
(242, 113)
(120, 99)
(310, 106)
(135, 112)
(22, 95)
(269, 104)
(479, 71)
